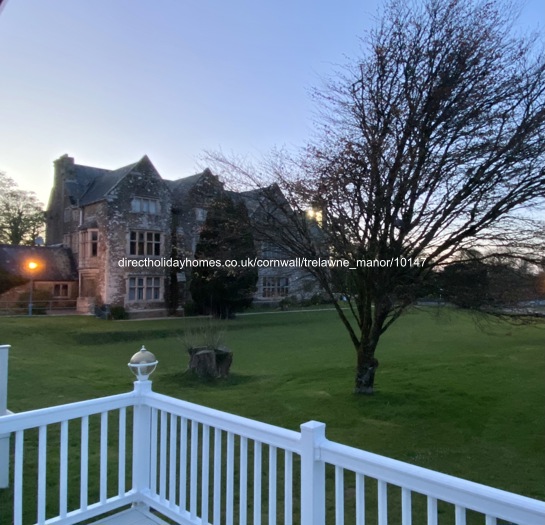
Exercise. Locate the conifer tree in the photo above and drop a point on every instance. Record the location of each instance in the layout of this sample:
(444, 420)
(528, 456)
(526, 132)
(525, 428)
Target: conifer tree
(218, 289)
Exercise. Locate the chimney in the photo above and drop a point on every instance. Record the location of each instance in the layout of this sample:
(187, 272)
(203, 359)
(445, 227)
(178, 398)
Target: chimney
(64, 169)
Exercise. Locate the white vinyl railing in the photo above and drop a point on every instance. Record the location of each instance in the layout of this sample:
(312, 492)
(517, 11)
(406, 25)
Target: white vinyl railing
(196, 465)
(208, 466)
(4, 438)
(54, 451)
(462, 495)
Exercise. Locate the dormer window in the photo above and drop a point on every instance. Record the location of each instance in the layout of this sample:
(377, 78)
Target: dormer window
(143, 205)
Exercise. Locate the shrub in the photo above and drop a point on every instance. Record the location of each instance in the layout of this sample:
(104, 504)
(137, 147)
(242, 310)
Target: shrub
(118, 312)
(288, 302)
(190, 309)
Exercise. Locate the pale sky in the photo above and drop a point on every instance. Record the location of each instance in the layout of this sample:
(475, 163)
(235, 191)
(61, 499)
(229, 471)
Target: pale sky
(108, 81)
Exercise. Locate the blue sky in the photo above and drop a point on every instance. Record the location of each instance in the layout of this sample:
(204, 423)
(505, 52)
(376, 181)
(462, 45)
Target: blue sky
(108, 81)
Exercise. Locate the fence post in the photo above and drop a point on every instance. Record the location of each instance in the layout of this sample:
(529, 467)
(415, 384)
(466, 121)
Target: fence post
(4, 439)
(141, 439)
(312, 474)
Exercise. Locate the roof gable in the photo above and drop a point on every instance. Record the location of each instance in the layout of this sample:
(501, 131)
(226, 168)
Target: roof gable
(262, 200)
(106, 181)
(204, 183)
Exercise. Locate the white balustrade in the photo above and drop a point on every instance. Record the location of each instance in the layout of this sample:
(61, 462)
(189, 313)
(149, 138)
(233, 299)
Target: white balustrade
(48, 435)
(196, 465)
(4, 438)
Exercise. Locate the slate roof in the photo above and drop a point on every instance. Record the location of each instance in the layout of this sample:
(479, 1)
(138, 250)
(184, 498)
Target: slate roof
(55, 263)
(185, 184)
(89, 184)
(251, 199)
(260, 199)
(181, 188)
(103, 182)
(84, 178)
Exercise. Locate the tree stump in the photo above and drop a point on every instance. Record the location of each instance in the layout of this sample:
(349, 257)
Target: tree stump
(224, 358)
(210, 363)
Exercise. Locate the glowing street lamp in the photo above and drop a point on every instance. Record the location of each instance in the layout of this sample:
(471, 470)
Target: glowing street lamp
(32, 267)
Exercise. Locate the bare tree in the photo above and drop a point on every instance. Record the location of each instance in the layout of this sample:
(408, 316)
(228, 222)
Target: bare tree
(505, 287)
(21, 214)
(432, 143)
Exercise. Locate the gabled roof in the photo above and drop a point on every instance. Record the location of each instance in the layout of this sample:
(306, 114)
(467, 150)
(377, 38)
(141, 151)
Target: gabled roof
(251, 199)
(55, 263)
(182, 188)
(104, 182)
(186, 184)
(261, 199)
(89, 184)
(82, 178)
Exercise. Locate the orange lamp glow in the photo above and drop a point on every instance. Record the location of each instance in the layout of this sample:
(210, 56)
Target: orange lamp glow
(32, 265)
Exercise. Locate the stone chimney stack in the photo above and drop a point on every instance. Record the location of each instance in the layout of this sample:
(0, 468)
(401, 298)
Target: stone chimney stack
(64, 171)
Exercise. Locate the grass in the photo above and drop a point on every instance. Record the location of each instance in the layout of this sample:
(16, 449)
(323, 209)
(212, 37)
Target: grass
(450, 396)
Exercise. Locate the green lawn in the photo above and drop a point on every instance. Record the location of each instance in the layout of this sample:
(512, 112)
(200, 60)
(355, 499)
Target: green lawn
(449, 395)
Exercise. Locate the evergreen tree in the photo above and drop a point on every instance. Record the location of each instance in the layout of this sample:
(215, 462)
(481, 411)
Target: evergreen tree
(172, 288)
(218, 289)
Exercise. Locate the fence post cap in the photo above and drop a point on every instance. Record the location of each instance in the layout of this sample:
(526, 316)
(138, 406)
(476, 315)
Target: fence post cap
(313, 425)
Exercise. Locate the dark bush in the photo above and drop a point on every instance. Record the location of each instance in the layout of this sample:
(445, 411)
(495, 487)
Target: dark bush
(191, 309)
(118, 312)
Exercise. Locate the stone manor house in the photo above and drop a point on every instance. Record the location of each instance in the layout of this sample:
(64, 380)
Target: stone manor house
(102, 217)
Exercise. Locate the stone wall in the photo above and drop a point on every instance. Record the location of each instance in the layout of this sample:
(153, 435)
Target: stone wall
(117, 221)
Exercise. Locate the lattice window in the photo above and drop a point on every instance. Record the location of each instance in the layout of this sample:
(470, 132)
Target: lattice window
(144, 288)
(145, 243)
(143, 205)
(275, 286)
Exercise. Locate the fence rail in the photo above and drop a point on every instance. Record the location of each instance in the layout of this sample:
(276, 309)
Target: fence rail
(196, 465)
(464, 495)
(40, 307)
(210, 465)
(59, 475)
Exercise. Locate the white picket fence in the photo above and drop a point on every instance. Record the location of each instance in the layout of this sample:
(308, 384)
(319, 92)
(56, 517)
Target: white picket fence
(195, 465)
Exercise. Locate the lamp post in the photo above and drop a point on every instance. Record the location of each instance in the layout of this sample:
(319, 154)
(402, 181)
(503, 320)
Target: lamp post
(32, 266)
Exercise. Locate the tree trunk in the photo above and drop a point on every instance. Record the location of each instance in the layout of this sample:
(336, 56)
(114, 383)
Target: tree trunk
(365, 373)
